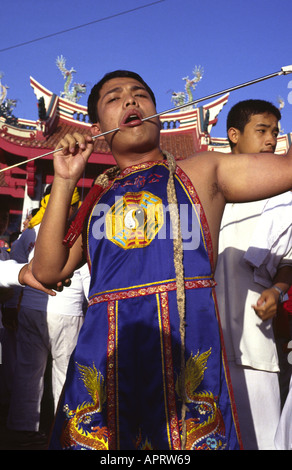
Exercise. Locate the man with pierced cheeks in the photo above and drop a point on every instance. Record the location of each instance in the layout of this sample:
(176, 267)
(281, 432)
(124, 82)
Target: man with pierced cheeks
(149, 369)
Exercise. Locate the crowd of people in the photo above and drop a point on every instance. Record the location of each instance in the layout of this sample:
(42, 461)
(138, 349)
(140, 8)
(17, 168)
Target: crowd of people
(154, 345)
(39, 331)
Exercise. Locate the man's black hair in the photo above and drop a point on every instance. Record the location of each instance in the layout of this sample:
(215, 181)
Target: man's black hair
(94, 94)
(240, 114)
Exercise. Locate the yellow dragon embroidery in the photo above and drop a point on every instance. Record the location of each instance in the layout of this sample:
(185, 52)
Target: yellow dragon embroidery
(212, 427)
(208, 432)
(73, 432)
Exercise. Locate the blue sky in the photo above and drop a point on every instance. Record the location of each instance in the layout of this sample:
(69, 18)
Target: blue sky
(234, 41)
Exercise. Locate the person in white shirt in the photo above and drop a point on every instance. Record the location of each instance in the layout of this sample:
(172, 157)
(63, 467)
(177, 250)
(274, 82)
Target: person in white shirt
(253, 269)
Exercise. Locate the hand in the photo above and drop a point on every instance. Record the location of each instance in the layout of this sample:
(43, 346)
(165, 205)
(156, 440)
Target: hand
(267, 304)
(69, 163)
(26, 278)
(60, 285)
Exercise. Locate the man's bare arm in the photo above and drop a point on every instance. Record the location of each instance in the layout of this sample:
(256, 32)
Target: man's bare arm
(52, 260)
(250, 177)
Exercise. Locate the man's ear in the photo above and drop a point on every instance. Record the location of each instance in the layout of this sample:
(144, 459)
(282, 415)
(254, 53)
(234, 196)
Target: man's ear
(233, 135)
(95, 129)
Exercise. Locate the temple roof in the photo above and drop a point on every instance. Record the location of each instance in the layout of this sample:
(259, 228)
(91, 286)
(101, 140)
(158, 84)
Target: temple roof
(63, 116)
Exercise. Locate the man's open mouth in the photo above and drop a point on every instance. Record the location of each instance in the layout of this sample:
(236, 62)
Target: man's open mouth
(132, 118)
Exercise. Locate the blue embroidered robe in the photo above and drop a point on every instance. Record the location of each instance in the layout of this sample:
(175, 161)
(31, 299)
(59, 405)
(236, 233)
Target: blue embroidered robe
(122, 389)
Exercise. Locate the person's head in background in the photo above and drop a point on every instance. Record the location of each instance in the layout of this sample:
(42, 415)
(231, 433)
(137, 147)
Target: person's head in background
(253, 127)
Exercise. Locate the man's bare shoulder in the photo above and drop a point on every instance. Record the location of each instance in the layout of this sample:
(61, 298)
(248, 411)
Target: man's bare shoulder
(203, 160)
(202, 156)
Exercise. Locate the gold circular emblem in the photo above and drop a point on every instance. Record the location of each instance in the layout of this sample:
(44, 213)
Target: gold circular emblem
(134, 220)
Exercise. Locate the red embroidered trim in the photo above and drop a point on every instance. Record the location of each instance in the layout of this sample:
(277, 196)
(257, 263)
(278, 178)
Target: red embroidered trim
(148, 290)
(77, 225)
(196, 200)
(227, 375)
(170, 387)
(111, 376)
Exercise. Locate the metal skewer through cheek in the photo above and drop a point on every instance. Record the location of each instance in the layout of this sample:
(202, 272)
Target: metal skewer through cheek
(284, 71)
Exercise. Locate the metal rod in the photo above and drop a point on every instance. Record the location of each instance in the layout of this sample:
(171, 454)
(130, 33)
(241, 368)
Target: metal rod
(284, 71)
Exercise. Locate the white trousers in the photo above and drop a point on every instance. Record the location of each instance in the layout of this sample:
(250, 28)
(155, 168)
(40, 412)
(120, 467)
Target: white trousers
(39, 333)
(257, 399)
(283, 439)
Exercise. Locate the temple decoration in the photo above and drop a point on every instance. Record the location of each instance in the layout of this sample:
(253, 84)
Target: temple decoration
(281, 104)
(181, 97)
(3, 89)
(7, 105)
(71, 94)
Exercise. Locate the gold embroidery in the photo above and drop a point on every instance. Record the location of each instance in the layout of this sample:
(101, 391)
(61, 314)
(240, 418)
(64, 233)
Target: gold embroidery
(134, 220)
(169, 392)
(112, 375)
(208, 430)
(74, 432)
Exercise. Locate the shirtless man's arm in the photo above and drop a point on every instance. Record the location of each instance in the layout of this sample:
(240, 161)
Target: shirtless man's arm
(222, 178)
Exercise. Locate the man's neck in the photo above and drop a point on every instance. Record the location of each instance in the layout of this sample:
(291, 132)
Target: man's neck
(132, 158)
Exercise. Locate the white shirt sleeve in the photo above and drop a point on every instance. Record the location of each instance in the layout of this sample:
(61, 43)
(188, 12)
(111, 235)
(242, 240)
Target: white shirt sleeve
(9, 271)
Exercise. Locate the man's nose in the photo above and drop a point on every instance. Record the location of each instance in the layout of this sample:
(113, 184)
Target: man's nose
(130, 100)
(271, 139)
